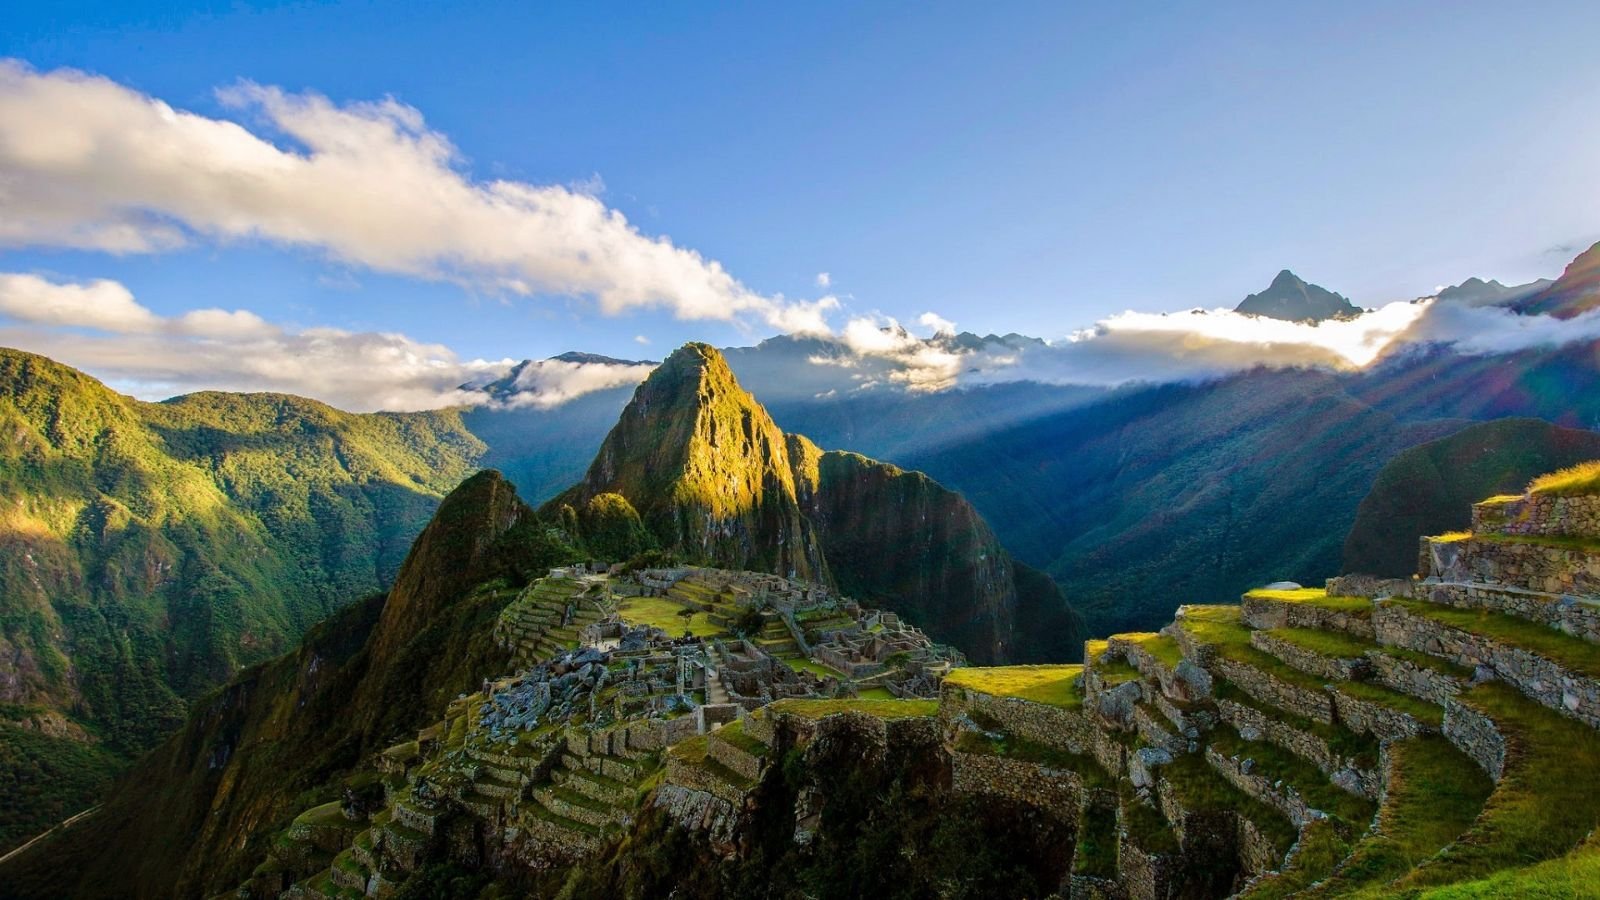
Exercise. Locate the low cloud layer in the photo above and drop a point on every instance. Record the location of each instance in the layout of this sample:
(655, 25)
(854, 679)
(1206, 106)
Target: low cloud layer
(100, 327)
(88, 163)
(547, 383)
(1197, 344)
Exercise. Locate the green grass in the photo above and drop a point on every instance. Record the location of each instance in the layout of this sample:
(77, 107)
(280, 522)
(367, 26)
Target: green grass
(667, 615)
(1220, 627)
(875, 693)
(1574, 875)
(812, 666)
(1323, 845)
(1116, 671)
(1164, 649)
(1335, 644)
(1146, 826)
(734, 733)
(883, 709)
(1362, 749)
(1050, 685)
(1096, 852)
(1279, 765)
(1318, 597)
(1583, 478)
(1547, 801)
(1434, 794)
(1572, 653)
(1012, 747)
(1199, 788)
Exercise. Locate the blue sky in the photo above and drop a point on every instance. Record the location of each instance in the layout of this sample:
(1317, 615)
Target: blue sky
(1019, 167)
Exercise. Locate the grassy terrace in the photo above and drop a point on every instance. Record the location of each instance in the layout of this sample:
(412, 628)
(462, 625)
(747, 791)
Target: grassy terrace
(1573, 875)
(663, 613)
(1547, 801)
(1146, 826)
(1096, 853)
(883, 709)
(1279, 765)
(1435, 793)
(1050, 685)
(1199, 788)
(1363, 749)
(1572, 653)
(1323, 846)
(1164, 649)
(734, 733)
(1220, 627)
(1318, 597)
(1116, 671)
(1576, 480)
(1012, 747)
(1334, 644)
(813, 667)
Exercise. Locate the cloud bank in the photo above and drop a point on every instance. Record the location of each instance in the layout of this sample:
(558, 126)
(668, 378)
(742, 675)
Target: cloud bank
(88, 163)
(99, 326)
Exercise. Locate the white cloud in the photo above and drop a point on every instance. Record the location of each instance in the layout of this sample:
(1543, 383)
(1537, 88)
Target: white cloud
(551, 382)
(105, 305)
(98, 326)
(824, 280)
(918, 364)
(88, 163)
(939, 324)
(641, 340)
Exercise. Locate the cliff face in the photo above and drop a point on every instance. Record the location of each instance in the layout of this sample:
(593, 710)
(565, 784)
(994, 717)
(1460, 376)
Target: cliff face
(715, 480)
(707, 469)
(192, 815)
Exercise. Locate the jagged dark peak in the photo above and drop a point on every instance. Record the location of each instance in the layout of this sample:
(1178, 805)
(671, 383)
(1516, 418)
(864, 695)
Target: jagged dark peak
(1293, 299)
(1478, 292)
(1577, 291)
(597, 359)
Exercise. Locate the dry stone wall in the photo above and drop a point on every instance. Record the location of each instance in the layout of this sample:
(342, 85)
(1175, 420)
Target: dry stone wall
(1541, 679)
(1539, 514)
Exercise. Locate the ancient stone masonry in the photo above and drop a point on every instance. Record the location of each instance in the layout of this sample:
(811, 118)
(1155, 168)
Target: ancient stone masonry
(1243, 748)
(1539, 514)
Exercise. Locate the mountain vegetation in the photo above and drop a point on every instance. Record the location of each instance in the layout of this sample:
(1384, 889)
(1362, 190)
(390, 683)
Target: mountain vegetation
(1428, 489)
(714, 480)
(149, 551)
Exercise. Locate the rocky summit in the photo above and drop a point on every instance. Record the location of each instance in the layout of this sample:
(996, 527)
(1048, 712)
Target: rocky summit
(711, 478)
(1292, 299)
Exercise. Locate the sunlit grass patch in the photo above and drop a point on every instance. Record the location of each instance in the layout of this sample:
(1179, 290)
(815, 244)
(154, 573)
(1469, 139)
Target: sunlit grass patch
(1052, 685)
(1583, 478)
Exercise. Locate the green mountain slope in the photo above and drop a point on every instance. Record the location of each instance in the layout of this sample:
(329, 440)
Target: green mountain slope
(715, 480)
(149, 551)
(1429, 489)
(190, 819)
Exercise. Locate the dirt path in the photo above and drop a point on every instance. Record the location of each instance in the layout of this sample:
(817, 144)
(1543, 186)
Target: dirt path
(65, 823)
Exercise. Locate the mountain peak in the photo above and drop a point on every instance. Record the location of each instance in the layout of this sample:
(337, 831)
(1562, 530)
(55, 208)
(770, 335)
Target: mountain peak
(1577, 291)
(1291, 298)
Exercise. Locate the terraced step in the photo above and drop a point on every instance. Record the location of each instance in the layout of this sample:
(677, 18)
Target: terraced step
(1307, 608)
(1555, 669)
(570, 804)
(614, 767)
(595, 786)
(1549, 564)
(1292, 784)
(1433, 794)
(585, 834)
(1545, 804)
(490, 785)
(1211, 816)
(1217, 636)
(349, 872)
(1094, 857)
(1577, 615)
(1340, 754)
